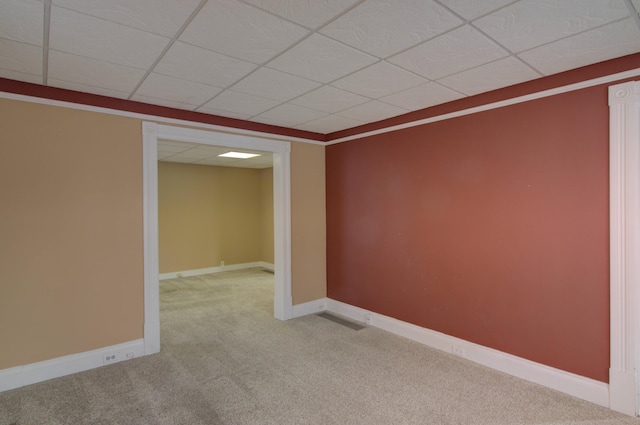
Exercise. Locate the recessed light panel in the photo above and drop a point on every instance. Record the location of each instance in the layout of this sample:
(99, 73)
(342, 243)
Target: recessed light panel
(240, 155)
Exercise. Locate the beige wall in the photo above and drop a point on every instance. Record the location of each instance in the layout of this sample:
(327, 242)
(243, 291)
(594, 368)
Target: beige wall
(266, 192)
(71, 230)
(71, 248)
(308, 223)
(210, 214)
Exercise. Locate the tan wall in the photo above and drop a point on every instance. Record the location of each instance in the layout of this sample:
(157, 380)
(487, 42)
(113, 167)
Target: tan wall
(71, 247)
(210, 214)
(308, 223)
(71, 230)
(266, 192)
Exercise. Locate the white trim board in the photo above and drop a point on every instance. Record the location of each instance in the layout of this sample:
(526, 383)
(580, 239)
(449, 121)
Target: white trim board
(20, 376)
(624, 210)
(220, 269)
(566, 382)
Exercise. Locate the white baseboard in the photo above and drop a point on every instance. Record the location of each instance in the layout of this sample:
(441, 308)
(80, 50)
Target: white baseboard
(208, 270)
(311, 307)
(20, 376)
(578, 386)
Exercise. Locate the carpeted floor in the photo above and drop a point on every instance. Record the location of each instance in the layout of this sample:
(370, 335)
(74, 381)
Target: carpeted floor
(226, 360)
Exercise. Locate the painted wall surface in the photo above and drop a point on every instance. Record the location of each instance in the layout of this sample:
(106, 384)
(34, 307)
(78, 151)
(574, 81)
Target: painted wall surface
(491, 227)
(266, 215)
(308, 222)
(209, 214)
(71, 230)
(71, 247)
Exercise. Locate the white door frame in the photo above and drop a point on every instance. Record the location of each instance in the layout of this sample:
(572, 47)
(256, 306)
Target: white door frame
(151, 132)
(624, 199)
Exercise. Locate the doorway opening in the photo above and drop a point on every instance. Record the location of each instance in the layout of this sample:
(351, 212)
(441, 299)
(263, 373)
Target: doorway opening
(281, 211)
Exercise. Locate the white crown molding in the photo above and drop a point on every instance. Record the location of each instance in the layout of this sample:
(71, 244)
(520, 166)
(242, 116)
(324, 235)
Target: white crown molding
(624, 199)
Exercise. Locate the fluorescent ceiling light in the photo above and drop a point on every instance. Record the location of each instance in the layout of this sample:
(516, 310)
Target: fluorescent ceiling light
(241, 155)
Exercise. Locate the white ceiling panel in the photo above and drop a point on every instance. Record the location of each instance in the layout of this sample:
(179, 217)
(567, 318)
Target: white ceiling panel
(204, 66)
(85, 88)
(330, 124)
(292, 115)
(20, 57)
(329, 99)
(372, 111)
(241, 103)
(163, 17)
(472, 9)
(92, 73)
(385, 27)
(501, 73)
(308, 13)
(290, 62)
(531, 23)
(20, 76)
(422, 96)
(249, 33)
(21, 20)
(274, 84)
(83, 35)
(177, 90)
(600, 44)
(319, 58)
(457, 50)
(378, 80)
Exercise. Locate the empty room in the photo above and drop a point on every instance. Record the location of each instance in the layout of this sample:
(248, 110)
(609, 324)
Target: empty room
(454, 184)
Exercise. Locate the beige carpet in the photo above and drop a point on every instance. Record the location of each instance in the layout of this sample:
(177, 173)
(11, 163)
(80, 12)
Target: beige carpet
(226, 360)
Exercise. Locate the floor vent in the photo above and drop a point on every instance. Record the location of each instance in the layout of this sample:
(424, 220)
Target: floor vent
(344, 322)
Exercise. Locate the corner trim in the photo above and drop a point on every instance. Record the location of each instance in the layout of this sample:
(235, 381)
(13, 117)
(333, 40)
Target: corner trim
(20, 376)
(566, 382)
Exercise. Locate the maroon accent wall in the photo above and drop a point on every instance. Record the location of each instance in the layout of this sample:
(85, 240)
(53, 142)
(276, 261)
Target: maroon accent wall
(491, 227)
(54, 93)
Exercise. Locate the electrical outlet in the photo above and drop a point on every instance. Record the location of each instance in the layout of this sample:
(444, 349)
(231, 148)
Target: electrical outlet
(130, 355)
(110, 358)
(321, 307)
(221, 263)
(457, 350)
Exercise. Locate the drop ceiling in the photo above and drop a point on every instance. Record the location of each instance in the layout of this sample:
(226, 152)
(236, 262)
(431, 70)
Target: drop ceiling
(315, 65)
(191, 153)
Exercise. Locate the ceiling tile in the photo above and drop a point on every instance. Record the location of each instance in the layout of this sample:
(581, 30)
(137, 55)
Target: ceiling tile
(501, 73)
(600, 44)
(372, 111)
(471, 9)
(531, 23)
(274, 84)
(53, 82)
(329, 124)
(447, 54)
(309, 13)
(249, 33)
(204, 66)
(92, 73)
(379, 80)
(20, 76)
(329, 99)
(385, 27)
(176, 90)
(271, 121)
(95, 38)
(241, 103)
(20, 57)
(422, 96)
(226, 114)
(163, 17)
(319, 58)
(636, 4)
(21, 20)
(291, 114)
